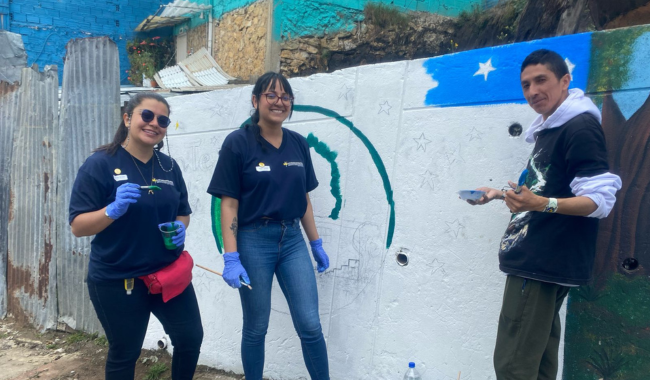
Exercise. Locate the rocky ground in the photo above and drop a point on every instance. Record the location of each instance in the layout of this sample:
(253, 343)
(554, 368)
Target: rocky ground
(26, 354)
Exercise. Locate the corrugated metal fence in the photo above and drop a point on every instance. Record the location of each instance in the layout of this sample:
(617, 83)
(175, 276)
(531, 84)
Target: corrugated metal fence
(41, 148)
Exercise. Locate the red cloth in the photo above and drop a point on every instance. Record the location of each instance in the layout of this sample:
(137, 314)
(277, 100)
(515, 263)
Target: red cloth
(172, 279)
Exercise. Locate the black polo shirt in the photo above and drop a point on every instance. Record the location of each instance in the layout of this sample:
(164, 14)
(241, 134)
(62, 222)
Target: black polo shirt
(132, 245)
(269, 182)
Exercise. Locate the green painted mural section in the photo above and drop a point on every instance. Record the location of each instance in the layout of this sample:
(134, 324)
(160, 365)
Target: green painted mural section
(335, 181)
(610, 58)
(608, 330)
(608, 322)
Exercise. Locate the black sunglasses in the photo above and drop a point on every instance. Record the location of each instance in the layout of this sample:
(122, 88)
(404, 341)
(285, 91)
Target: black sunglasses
(147, 116)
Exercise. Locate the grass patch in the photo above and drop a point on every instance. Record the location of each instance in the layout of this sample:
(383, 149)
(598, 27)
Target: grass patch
(156, 371)
(384, 16)
(101, 341)
(78, 336)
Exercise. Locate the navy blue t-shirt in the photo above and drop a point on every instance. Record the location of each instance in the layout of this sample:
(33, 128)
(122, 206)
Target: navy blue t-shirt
(269, 182)
(132, 245)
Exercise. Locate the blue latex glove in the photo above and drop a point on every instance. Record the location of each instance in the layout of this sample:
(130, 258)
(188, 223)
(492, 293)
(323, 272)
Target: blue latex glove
(179, 239)
(233, 272)
(319, 255)
(126, 194)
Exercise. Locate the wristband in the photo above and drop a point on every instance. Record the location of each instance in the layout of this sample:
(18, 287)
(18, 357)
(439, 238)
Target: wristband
(551, 207)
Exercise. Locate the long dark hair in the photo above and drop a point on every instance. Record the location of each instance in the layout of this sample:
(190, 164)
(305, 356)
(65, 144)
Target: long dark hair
(122, 130)
(261, 85)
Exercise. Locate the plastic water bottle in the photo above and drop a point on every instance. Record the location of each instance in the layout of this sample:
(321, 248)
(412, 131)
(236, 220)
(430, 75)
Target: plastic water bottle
(412, 373)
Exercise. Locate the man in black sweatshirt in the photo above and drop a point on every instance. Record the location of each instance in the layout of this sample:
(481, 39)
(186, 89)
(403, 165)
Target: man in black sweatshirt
(550, 243)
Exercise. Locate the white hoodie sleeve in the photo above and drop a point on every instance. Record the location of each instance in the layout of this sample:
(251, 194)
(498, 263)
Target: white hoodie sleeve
(601, 189)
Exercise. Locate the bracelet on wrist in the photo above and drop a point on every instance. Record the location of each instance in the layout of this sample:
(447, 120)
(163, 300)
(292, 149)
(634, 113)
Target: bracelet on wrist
(551, 206)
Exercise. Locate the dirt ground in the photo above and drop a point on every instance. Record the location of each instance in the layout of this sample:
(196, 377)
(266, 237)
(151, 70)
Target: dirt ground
(26, 354)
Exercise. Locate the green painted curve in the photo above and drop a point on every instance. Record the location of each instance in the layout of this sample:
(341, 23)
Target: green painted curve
(335, 183)
(373, 153)
(215, 212)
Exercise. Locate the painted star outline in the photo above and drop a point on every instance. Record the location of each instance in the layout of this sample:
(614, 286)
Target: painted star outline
(422, 142)
(428, 178)
(345, 91)
(385, 107)
(454, 227)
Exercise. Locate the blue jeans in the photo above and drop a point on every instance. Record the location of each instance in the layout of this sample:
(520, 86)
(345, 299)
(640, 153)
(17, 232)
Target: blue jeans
(125, 319)
(266, 248)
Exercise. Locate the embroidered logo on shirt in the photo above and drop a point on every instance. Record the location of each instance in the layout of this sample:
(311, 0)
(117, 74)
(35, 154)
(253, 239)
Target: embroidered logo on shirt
(122, 177)
(117, 171)
(262, 168)
(163, 182)
(294, 163)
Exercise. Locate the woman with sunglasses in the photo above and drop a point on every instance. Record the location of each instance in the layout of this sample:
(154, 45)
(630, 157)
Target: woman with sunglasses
(263, 177)
(108, 201)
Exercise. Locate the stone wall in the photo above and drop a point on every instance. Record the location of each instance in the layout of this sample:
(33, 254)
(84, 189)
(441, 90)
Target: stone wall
(240, 41)
(197, 38)
(425, 36)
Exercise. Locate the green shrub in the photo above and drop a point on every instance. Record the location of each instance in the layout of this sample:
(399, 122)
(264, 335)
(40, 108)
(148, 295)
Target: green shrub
(384, 16)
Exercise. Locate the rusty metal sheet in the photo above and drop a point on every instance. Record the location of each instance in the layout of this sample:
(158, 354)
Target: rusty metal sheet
(90, 114)
(31, 269)
(9, 108)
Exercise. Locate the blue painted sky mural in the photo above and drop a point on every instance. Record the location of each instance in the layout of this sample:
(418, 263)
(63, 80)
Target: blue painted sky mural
(491, 75)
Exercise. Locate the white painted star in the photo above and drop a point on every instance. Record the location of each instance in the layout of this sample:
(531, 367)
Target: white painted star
(385, 107)
(485, 68)
(422, 142)
(571, 66)
(454, 227)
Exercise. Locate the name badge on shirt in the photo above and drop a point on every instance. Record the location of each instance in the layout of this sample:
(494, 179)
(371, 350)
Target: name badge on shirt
(121, 177)
(262, 168)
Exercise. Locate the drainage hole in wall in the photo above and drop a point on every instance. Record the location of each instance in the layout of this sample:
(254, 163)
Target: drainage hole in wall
(515, 129)
(630, 264)
(402, 259)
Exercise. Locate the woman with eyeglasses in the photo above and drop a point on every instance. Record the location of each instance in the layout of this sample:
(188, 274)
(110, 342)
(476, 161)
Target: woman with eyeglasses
(263, 176)
(122, 193)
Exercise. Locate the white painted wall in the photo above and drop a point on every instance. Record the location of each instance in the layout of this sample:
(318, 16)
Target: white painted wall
(441, 310)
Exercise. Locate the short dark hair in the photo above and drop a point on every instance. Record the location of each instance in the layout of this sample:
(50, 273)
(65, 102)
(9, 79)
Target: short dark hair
(552, 60)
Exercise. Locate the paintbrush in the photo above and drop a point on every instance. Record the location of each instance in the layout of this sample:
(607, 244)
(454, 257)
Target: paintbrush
(215, 272)
(522, 181)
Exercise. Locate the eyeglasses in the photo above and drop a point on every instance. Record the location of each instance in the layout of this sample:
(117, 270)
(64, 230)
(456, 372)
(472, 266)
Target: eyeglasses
(147, 116)
(272, 98)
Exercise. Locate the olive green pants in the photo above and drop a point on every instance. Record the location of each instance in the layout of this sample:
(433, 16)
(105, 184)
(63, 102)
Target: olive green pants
(529, 331)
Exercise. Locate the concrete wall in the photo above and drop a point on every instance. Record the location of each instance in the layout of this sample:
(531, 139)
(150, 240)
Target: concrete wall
(46, 26)
(408, 135)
